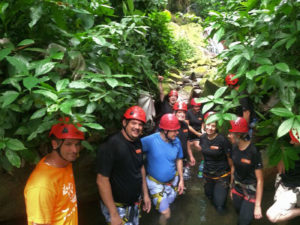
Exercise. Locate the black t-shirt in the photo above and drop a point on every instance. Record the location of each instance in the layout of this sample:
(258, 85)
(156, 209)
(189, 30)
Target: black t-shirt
(195, 119)
(183, 137)
(245, 105)
(165, 107)
(121, 161)
(215, 153)
(245, 163)
(291, 178)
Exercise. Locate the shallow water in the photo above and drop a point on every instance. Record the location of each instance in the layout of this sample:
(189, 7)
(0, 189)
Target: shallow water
(191, 208)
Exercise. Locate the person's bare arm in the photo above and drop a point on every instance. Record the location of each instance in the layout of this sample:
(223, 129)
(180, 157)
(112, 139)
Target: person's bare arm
(160, 87)
(146, 198)
(246, 115)
(198, 134)
(105, 192)
(190, 153)
(179, 166)
(259, 193)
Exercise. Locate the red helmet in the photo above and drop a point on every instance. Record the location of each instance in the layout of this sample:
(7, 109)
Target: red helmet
(239, 125)
(180, 106)
(173, 92)
(135, 113)
(208, 114)
(294, 135)
(66, 130)
(194, 103)
(230, 81)
(169, 122)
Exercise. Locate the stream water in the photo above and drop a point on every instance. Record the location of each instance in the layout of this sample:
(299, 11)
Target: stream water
(191, 208)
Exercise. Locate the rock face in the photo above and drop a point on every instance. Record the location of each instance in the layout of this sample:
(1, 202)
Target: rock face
(200, 70)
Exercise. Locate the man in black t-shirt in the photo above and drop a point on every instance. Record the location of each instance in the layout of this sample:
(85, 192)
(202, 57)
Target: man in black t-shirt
(287, 196)
(121, 174)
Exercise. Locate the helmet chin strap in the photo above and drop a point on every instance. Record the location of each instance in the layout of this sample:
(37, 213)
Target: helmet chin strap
(58, 150)
(166, 132)
(124, 128)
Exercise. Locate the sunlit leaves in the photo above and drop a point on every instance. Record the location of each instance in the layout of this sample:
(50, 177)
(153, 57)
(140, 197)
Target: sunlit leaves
(285, 127)
(282, 67)
(233, 62)
(30, 82)
(8, 97)
(15, 144)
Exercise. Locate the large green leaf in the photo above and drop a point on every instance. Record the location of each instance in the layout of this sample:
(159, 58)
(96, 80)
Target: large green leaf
(18, 63)
(62, 84)
(9, 97)
(233, 62)
(13, 158)
(78, 84)
(66, 107)
(282, 112)
(39, 113)
(229, 116)
(265, 68)
(112, 82)
(94, 126)
(47, 94)
(220, 92)
(91, 108)
(15, 144)
(207, 107)
(285, 127)
(4, 52)
(263, 61)
(44, 67)
(219, 34)
(282, 67)
(26, 42)
(30, 82)
(105, 68)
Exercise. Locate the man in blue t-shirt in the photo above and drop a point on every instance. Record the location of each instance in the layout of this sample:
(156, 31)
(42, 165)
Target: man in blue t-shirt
(164, 165)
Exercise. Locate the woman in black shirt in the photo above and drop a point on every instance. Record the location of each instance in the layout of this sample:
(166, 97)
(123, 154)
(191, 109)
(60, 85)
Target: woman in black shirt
(247, 179)
(217, 163)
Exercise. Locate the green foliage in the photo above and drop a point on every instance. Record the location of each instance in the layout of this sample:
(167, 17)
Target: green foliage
(263, 51)
(78, 59)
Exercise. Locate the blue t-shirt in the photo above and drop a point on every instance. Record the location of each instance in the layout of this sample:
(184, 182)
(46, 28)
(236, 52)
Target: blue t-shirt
(161, 156)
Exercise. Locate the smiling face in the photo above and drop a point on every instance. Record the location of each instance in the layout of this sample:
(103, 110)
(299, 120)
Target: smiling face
(180, 114)
(211, 128)
(69, 148)
(133, 128)
(172, 99)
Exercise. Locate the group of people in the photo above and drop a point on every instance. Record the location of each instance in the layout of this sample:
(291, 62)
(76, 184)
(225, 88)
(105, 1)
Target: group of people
(135, 172)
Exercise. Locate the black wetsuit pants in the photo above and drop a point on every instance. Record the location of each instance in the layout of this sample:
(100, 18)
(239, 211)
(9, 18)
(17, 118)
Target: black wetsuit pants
(217, 190)
(244, 208)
